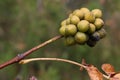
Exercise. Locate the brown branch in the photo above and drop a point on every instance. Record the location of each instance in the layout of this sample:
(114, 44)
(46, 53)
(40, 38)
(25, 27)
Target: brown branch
(23, 55)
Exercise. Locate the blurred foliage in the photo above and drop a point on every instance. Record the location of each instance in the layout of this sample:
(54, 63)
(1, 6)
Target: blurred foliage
(27, 23)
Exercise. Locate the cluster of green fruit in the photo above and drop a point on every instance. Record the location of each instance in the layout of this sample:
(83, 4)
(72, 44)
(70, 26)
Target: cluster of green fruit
(83, 26)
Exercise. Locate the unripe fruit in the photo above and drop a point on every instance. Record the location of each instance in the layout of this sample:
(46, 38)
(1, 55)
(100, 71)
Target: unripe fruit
(78, 13)
(69, 40)
(71, 29)
(62, 30)
(63, 23)
(81, 38)
(97, 13)
(74, 19)
(68, 21)
(92, 28)
(70, 15)
(85, 10)
(68, 30)
(102, 33)
(83, 26)
(89, 17)
(99, 23)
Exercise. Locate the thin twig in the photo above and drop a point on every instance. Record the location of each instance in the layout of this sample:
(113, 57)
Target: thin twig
(51, 59)
(23, 55)
(25, 61)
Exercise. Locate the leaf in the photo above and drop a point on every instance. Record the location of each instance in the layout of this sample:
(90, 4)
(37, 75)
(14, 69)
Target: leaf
(94, 73)
(108, 69)
(116, 76)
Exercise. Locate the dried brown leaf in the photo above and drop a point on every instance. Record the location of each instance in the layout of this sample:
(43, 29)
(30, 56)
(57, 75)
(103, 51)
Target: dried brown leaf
(108, 69)
(116, 76)
(94, 73)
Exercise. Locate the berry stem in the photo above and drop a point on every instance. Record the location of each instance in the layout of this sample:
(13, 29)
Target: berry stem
(23, 55)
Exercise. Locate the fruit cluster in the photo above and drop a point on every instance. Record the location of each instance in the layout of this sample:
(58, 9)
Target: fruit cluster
(83, 26)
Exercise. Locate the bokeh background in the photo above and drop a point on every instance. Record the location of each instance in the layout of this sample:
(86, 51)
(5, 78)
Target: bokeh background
(27, 23)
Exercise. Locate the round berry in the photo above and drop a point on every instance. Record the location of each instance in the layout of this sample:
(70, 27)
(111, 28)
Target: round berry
(92, 28)
(97, 13)
(81, 38)
(68, 21)
(102, 33)
(95, 36)
(71, 29)
(91, 43)
(74, 19)
(62, 30)
(63, 23)
(83, 26)
(78, 13)
(89, 17)
(85, 10)
(70, 15)
(69, 40)
(98, 23)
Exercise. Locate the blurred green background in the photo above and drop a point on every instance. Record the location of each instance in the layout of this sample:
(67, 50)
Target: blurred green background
(27, 23)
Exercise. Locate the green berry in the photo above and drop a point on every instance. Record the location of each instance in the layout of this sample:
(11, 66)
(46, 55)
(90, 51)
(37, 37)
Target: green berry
(62, 30)
(81, 38)
(78, 13)
(98, 23)
(71, 29)
(70, 15)
(74, 19)
(89, 17)
(69, 40)
(85, 10)
(63, 23)
(97, 13)
(68, 21)
(92, 28)
(68, 30)
(102, 33)
(83, 26)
